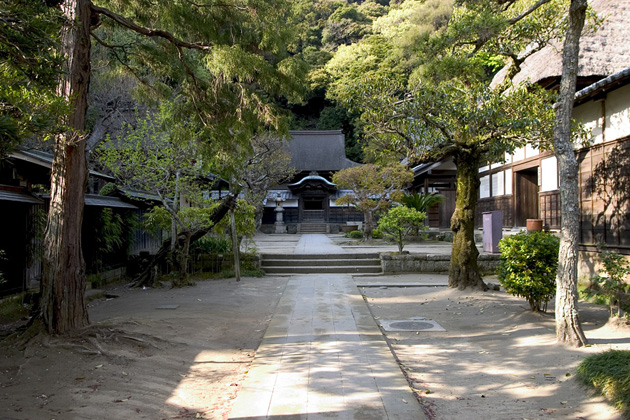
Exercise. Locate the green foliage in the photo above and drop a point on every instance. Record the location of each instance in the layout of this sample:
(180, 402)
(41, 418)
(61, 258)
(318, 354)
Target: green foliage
(528, 266)
(421, 202)
(211, 244)
(354, 234)
(29, 68)
(245, 220)
(111, 231)
(108, 189)
(345, 26)
(612, 284)
(609, 373)
(427, 123)
(399, 222)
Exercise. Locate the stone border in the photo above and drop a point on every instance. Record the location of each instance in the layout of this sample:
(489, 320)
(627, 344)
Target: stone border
(432, 263)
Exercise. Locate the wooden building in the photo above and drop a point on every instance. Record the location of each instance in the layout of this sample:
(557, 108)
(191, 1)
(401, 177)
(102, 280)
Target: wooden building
(308, 200)
(525, 186)
(24, 198)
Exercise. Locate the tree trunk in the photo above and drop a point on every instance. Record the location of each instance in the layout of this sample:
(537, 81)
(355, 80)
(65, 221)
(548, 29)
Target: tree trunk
(235, 247)
(63, 277)
(464, 272)
(568, 328)
(368, 225)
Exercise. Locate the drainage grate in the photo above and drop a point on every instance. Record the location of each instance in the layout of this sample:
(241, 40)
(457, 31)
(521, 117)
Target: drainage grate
(415, 324)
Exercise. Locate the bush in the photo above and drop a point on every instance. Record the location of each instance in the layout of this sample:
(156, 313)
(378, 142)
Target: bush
(528, 267)
(355, 234)
(609, 374)
(400, 222)
(612, 285)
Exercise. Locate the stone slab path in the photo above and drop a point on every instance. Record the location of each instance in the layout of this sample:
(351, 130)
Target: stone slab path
(323, 356)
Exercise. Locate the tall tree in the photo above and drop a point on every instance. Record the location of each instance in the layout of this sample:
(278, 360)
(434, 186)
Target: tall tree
(444, 106)
(472, 124)
(568, 328)
(63, 278)
(223, 63)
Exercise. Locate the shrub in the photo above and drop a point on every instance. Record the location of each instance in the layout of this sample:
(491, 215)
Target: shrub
(355, 234)
(612, 285)
(609, 373)
(400, 222)
(421, 202)
(528, 267)
(211, 245)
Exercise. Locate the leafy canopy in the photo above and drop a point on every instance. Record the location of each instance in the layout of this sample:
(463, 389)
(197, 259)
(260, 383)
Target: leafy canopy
(29, 63)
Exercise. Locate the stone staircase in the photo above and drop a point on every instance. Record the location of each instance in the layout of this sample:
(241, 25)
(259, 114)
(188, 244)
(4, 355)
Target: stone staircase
(313, 228)
(321, 263)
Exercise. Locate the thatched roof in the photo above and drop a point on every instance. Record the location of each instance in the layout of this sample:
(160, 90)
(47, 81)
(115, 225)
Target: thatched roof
(319, 151)
(602, 53)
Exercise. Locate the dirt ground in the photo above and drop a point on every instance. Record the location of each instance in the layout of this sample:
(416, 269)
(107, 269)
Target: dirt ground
(181, 354)
(150, 354)
(496, 359)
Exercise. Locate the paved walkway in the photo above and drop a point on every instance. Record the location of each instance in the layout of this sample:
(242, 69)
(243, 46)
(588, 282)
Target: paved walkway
(314, 243)
(323, 356)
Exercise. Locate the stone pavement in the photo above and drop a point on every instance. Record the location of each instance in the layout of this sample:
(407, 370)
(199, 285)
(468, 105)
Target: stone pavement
(323, 355)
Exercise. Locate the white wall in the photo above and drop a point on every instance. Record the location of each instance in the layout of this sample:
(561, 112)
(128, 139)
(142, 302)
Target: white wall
(618, 113)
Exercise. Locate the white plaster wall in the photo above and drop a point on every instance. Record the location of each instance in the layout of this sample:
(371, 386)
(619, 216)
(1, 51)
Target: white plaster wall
(590, 114)
(618, 113)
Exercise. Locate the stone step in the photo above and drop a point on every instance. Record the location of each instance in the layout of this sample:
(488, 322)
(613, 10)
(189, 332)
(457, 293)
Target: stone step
(358, 256)
(323, 270)
(320, 263)
(313, 228)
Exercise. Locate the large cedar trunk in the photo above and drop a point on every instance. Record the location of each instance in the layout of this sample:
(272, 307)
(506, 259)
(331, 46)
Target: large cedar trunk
(63, 279)
(568, 328)
(464, 272)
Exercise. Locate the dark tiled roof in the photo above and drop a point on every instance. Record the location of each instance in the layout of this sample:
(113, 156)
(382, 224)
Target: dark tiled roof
(319, 151)
(609, 83)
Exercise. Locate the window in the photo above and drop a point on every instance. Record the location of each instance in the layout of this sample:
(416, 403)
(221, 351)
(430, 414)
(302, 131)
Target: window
(549, 174)
(484, 188)
(498, 186)
(508, 181)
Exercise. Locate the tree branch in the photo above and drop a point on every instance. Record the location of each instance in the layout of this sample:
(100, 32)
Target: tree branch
(527, 12)
(155, 33)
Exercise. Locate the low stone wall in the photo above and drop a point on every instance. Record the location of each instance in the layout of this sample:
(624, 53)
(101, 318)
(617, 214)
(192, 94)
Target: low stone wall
(432, 263)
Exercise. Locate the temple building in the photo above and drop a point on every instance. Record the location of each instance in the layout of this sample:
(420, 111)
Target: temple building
(306, 204)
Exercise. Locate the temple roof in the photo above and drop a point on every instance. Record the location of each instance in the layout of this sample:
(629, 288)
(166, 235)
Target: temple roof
(319, 151)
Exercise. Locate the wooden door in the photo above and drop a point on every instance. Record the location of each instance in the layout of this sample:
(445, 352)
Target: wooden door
(526, 197)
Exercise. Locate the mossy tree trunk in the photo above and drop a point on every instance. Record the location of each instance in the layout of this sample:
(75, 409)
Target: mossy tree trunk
(464, 272)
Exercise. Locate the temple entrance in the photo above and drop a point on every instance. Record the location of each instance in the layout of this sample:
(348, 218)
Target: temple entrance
(314, 208)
